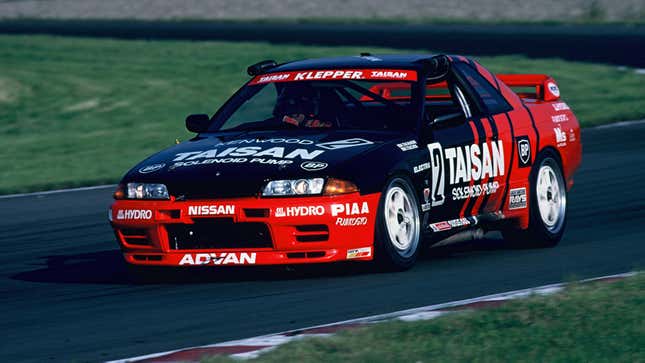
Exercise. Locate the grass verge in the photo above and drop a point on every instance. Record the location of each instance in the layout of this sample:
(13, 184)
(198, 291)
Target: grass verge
(81, 111)
(595, 322)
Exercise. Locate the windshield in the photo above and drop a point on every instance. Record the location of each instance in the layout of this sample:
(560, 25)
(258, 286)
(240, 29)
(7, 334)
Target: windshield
(309, 100)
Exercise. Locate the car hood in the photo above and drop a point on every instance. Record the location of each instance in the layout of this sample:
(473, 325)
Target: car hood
(239, 164)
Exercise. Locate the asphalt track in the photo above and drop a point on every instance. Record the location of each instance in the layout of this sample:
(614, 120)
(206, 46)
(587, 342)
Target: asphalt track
(607, 43)
(65, 295)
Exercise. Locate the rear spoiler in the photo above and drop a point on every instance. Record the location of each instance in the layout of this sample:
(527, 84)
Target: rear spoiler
(545, 87)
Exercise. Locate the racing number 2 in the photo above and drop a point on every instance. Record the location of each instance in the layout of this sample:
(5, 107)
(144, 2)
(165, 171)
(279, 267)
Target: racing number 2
(438, 183)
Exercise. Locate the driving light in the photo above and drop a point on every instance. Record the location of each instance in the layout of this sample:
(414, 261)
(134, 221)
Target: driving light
(147, 191)
(338, 186)
(278, 188)
(119, 193)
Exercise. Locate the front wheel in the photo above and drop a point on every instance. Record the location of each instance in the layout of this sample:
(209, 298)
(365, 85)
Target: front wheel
(397, 226)
(547, 207)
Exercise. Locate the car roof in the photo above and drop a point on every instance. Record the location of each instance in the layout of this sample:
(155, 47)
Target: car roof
(404, 61)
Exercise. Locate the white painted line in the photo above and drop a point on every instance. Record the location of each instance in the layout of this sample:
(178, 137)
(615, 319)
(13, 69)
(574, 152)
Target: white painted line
(426, 315)
(273, 339)
(252, 355)
(57, 191)
(421, 313)
(257, 353)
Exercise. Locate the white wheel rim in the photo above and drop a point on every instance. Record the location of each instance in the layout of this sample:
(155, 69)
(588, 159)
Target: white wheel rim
(402, 221)
(551, 196)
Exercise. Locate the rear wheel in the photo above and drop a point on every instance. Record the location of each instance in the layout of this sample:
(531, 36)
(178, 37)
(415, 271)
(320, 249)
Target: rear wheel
(397, 226)
(547, 207)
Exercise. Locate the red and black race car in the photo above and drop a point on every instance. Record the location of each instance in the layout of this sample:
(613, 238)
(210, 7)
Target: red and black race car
(355, 158)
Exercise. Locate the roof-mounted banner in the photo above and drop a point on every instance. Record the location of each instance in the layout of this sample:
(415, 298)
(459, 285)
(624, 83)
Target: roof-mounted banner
(337, 74)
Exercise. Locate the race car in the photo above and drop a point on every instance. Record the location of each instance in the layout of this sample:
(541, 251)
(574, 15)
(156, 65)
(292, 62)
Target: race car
(355, 158)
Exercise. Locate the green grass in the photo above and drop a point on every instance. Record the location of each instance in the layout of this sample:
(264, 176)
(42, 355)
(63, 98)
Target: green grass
(586, 323)
(77, 111)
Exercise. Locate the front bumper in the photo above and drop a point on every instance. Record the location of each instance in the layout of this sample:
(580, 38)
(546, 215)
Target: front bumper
(246, 231)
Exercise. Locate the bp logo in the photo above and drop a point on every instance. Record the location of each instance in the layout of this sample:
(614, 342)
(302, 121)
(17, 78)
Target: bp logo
(151, 168)
(313, 165)
(553, 88)
(524, 151)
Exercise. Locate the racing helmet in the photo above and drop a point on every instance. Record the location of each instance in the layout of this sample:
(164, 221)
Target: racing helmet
(297, 99)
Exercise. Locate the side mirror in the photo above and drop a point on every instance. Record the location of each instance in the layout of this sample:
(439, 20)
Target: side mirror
(198, 123)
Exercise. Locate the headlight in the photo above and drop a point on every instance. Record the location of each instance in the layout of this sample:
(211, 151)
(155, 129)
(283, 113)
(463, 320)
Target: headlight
(142, 191)
(277, 188)
(316, 186)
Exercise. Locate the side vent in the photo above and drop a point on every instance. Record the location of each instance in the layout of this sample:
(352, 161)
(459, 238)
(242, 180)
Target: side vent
(312, 233)
(134, 236)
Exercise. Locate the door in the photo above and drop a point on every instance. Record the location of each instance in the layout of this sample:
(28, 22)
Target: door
(456, 142)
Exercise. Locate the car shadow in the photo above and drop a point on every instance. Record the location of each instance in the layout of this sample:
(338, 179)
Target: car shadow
(108, 267)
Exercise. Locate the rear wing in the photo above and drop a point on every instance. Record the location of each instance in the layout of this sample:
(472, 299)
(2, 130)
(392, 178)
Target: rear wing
(545, 87)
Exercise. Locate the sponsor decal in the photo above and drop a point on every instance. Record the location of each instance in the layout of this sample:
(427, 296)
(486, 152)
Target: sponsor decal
(560, 136)
(517, 198)
(320, 75)
(572, 135)
(553, 88)
(336, 74)
(151, 168)
(247, 151)
(474, 191)
(313, 165)
(349, 209)
(232, 152)
(273, 78)
(210, 210)
(523, 151)
(275, 140)
(453, 223)
(221, 258)
(341, 144)
(408, 145)
(422, 167)
(426, 197)
(463, 164)
(351, 221)
(390, 74)
(359, 252)
(556, 119)
(440, 226)
(460, 222)
(560, 106)
(133, 214)
(300, 211)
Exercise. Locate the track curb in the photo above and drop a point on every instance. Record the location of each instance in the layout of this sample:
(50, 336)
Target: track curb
(253, 347)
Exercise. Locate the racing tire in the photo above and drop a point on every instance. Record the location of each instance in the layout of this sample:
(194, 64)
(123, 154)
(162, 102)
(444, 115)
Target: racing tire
(547, 206)
(398, 227)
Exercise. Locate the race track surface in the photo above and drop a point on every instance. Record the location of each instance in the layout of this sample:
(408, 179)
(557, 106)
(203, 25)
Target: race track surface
(65, 295)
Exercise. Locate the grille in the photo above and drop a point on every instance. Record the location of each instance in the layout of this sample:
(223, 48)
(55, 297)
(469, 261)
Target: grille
(218, 233)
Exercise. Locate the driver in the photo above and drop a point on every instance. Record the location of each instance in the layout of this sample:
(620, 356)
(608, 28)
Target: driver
(299, 105)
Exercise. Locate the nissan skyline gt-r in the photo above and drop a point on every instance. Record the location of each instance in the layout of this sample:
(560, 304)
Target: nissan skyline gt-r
(355, 158)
